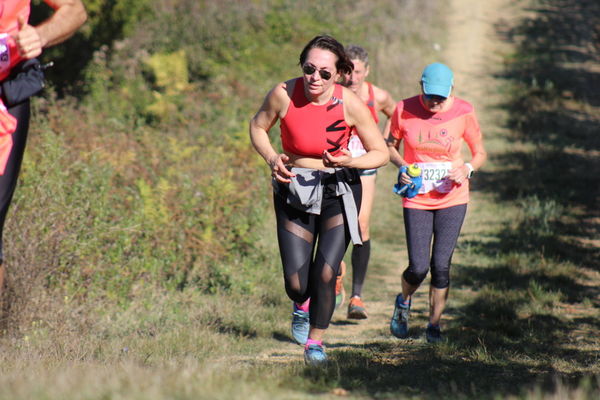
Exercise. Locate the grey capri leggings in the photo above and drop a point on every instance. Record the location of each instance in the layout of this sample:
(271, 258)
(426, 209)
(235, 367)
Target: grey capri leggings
(421, 225)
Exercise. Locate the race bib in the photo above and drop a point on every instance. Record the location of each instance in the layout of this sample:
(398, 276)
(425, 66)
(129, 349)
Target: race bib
(355, 146)
(435, 177)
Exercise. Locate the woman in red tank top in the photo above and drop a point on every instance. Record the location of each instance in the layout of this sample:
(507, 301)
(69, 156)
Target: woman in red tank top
(316, 184)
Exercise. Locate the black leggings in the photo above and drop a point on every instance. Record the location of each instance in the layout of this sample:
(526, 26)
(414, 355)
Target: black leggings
(8, 180)
(309, 273)
(360, 263)
(421, 225)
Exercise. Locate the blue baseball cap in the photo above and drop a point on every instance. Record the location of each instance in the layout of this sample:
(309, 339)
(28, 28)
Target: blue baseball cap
(437, 79)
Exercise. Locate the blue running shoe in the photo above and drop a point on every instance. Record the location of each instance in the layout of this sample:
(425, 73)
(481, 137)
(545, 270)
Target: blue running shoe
(433, 333)
(314, 355)
(399, 322)
(300, 325)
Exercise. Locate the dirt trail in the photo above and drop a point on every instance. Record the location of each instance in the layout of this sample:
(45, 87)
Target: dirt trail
(472, 48)
(471, 51)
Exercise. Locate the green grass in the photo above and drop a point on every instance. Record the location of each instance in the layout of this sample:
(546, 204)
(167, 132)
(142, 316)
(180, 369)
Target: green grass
(142, 253)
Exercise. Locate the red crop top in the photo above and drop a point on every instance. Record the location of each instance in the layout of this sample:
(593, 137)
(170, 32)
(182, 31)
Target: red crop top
(308, 129)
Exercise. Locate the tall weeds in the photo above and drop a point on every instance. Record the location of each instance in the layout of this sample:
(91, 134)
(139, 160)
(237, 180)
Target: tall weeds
(147, 180)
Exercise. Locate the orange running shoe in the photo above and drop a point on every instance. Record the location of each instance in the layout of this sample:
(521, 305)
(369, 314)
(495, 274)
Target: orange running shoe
(340, 293)
(356, 309)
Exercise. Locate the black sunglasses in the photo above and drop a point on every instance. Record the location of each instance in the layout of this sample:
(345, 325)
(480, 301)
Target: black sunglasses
(309, 70)
(434, 97)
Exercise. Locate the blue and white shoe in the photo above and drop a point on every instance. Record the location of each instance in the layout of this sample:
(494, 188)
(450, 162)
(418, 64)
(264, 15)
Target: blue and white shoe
(300, 325)
(314, 355)
(399, 322)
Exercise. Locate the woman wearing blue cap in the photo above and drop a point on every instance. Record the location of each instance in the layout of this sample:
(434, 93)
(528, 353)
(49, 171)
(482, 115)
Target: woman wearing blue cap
(433, 126)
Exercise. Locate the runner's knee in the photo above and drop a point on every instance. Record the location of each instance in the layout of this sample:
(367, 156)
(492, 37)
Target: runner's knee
(414, 276)
(297, 296)
(440, 280)
(296, 287)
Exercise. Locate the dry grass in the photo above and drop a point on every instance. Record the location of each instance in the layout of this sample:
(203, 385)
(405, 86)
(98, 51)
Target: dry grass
(95, 312)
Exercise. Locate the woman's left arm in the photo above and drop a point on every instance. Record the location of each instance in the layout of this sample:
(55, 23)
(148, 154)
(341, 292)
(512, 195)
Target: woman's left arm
(474, 140)
(478, 153)
(358, 115)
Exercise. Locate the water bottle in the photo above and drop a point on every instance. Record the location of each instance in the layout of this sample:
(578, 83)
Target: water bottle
(411, 189)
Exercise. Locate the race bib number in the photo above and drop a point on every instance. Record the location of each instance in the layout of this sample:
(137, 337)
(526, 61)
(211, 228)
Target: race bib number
(4, 54)
(435, 177)
(355, 146)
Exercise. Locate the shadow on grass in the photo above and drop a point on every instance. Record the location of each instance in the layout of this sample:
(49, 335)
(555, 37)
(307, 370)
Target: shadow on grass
(343, 322)
(555, 87)
(504, 278)
(512, 322)
(381, 370)
(555, 83)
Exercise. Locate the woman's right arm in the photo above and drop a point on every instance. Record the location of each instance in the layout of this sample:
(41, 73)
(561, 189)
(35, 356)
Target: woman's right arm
(393, 144)
(393, 140)
(273, 107)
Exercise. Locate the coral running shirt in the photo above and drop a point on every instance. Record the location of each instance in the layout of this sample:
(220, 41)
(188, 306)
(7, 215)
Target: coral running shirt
(10, 11)
(434, 140)
(308, 129)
